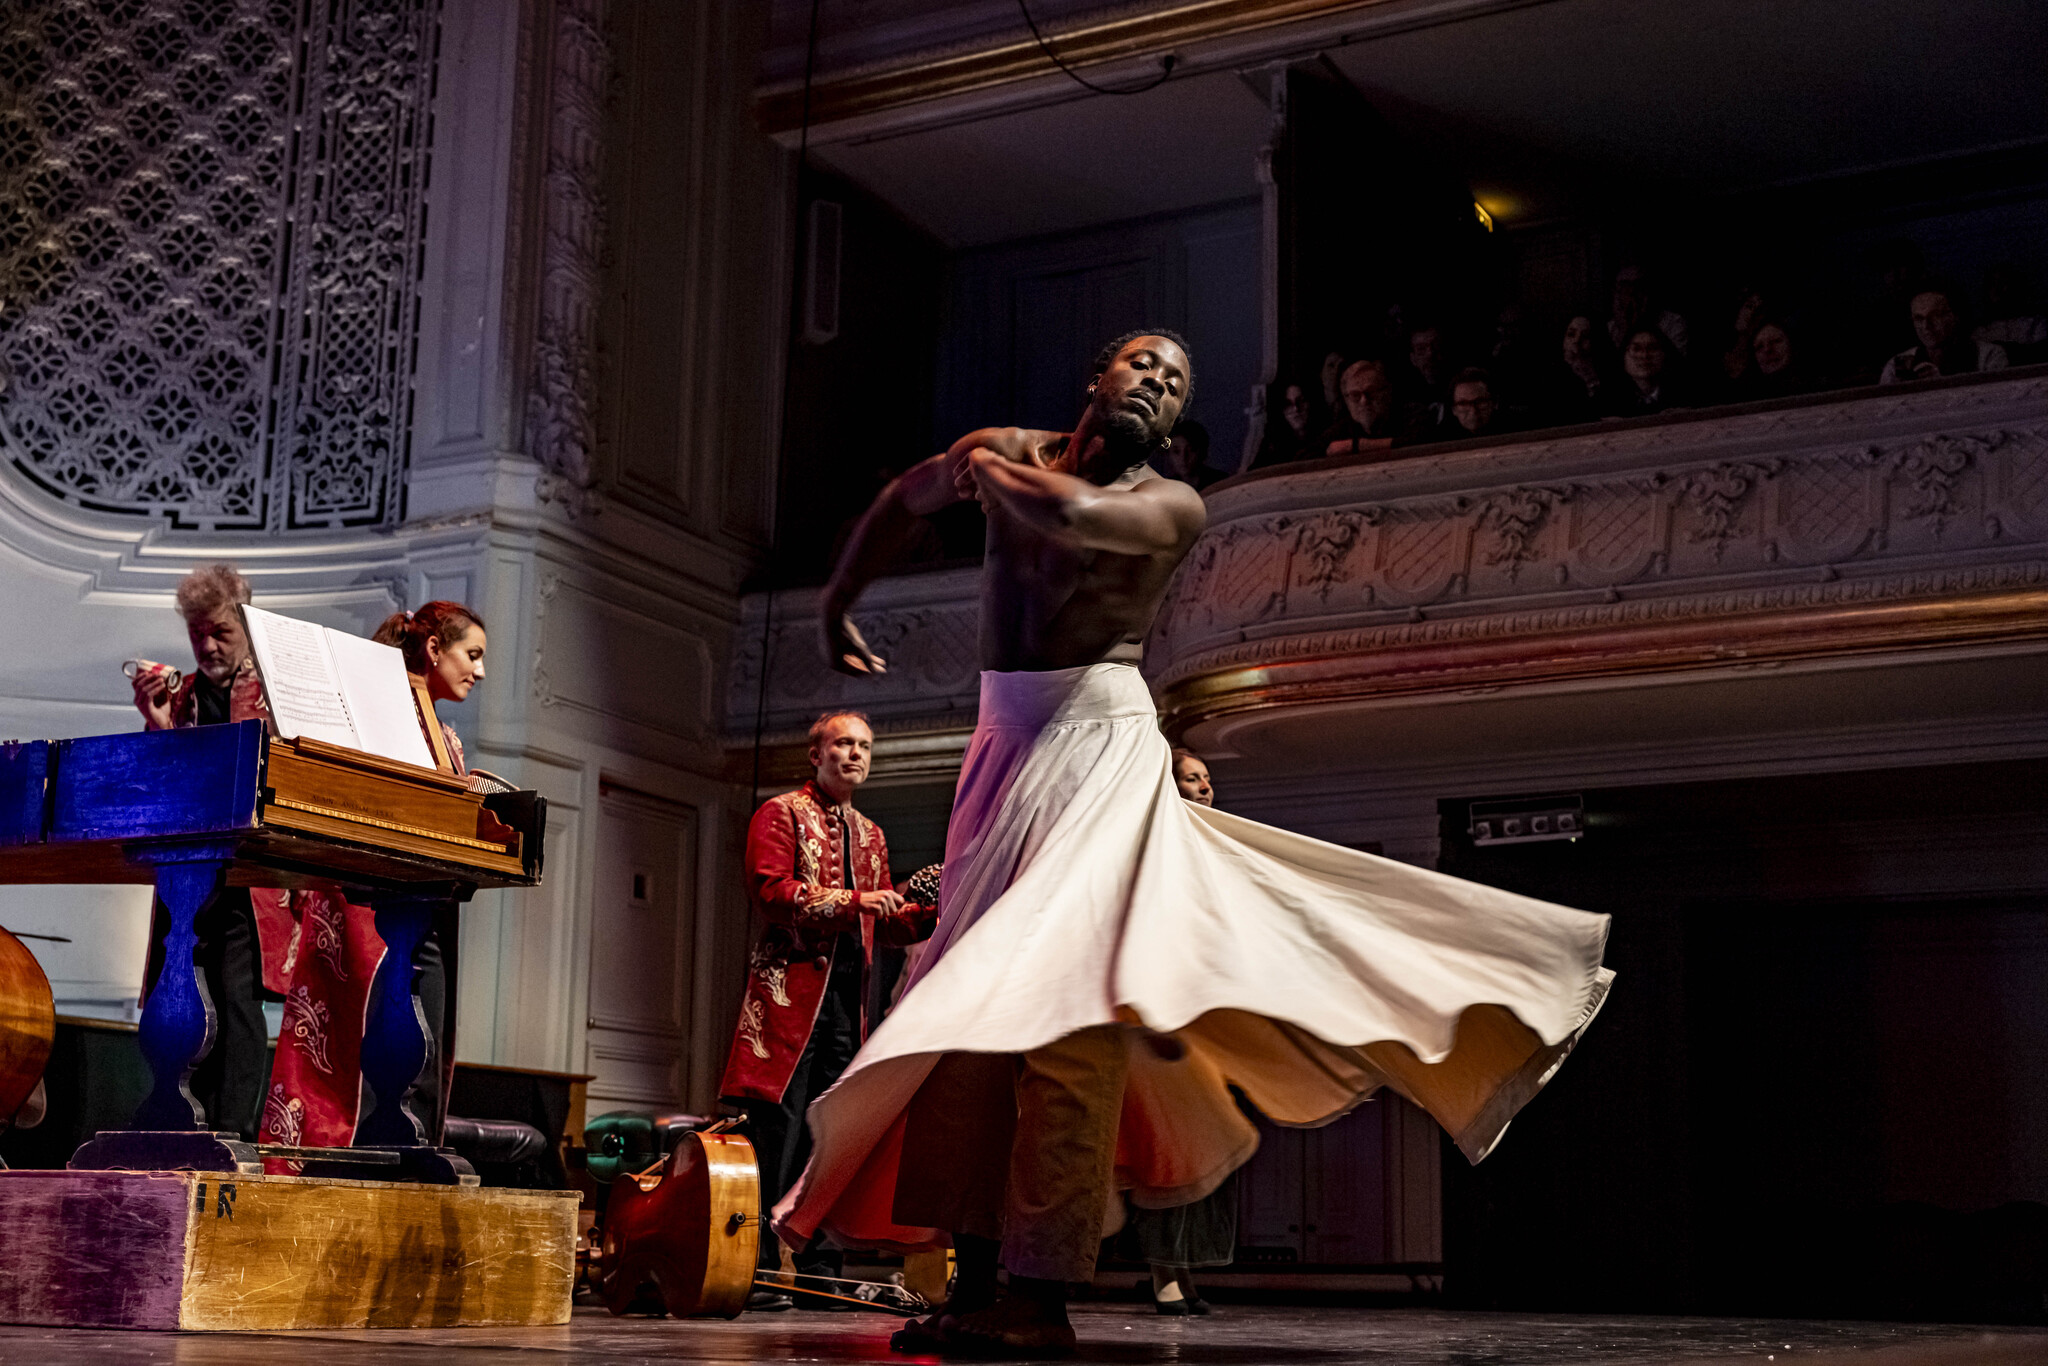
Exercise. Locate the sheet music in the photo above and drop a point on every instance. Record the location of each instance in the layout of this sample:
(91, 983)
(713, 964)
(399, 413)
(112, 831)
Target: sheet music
(299, 678)
(380, 700)
(336, 687)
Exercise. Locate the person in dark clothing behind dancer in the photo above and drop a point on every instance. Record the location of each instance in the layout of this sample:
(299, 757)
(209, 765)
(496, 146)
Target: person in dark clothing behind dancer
(1203, 1233)
(818, 872)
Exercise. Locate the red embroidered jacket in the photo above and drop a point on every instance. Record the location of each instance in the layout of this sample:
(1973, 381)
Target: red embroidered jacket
(795, 881)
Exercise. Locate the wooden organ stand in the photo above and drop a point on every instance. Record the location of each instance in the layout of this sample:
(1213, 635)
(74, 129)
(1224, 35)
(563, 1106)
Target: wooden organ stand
(194, 810)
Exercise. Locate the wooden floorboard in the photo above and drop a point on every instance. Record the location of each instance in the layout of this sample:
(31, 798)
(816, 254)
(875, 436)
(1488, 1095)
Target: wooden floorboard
(1239, 1335)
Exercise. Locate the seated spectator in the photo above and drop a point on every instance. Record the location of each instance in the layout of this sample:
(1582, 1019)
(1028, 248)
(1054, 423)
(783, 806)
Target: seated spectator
(1517, 369)
(1474, 411)
(1636, 307)
(1738, 363)
(1372, 419)
(1583, 384)
(1943, 348)
(1334, 363)
(1428, 379)
(1652, 384)
(1779, 372)
(1186, 456)
(1289, 428)
(2015, 324)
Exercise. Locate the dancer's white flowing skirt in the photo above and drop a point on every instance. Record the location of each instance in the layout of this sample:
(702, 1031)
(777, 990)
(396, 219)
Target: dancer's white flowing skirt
(1081, 889)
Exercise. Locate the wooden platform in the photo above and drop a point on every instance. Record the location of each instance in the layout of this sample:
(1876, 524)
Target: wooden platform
(189, 1250)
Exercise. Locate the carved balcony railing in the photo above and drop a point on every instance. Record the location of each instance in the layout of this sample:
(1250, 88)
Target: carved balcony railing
(1910, 519)
(1879, 521)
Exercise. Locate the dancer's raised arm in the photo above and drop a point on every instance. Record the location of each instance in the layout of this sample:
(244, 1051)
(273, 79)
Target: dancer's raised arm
(877, 539)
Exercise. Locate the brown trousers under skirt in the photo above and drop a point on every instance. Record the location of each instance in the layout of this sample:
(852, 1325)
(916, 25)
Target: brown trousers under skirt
(1019, 1148)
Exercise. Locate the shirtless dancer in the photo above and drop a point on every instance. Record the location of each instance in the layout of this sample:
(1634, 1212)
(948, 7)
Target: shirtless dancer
(1087, 905)
(1083, 539)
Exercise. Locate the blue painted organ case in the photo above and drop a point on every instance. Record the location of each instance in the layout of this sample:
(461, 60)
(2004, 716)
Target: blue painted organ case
(192, 811)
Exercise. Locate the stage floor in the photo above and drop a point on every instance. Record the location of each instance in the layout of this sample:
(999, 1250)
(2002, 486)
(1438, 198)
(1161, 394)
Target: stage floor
(1242, 1335)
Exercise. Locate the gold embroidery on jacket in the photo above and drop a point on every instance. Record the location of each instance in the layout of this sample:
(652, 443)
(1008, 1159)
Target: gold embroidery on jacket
(774, 976)
(753, 1025)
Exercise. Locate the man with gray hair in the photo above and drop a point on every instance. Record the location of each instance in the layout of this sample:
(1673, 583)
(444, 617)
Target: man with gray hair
(245, 939)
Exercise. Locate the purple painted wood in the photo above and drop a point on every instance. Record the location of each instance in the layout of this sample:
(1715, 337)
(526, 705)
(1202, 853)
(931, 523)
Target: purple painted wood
(92, 1249)
(202, 780)
(24, 769)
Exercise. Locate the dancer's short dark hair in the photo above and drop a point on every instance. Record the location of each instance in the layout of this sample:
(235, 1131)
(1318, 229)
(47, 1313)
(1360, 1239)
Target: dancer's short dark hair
(1109, 353)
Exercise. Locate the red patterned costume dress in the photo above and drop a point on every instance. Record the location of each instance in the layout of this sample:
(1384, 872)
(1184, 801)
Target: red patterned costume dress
(316, 1082)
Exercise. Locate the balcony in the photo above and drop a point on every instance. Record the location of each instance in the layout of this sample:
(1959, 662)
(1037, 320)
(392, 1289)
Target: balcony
(1842, 581)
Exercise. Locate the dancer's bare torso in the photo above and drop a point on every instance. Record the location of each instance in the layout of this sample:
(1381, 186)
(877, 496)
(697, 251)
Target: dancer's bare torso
(1049, 604)
(1083, 537)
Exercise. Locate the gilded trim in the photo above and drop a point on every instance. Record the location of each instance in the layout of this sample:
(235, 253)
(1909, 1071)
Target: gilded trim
(1156, 31)
(1614, 652)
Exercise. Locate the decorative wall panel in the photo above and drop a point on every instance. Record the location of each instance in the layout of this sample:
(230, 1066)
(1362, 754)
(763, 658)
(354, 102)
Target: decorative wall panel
(210, 229)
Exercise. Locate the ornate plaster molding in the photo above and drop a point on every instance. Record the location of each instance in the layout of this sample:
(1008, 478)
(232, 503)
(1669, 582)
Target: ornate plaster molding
(1892, 521)
(561, 420)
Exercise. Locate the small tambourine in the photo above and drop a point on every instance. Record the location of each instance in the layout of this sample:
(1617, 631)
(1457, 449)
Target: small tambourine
(135, 668)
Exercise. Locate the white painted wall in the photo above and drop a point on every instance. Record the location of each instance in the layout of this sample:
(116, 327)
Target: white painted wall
(610, 630)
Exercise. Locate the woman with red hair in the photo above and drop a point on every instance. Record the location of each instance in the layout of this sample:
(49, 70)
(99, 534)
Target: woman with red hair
(316, 1081)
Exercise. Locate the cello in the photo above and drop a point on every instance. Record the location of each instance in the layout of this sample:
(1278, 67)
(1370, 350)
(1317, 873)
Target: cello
(688, 1227)
(28, 1025)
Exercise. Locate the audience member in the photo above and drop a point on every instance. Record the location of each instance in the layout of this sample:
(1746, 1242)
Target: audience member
(1636, 307)
(1943, 348)
(1633, 362)
(1186, 456)
(1884, 326)
(1779, 370)
(2016, 324)
(1652, 383)
(1289, 427)
(1474, 411)
(1583, 384)
(1428, 378)
(1516, 367)
(1333, 380)
(1738, 363)
(1372, 413)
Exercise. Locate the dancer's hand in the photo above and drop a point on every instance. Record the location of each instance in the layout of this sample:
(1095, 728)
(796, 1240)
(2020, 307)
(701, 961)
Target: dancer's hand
(880, 903)
(848, 649)
(964, 482)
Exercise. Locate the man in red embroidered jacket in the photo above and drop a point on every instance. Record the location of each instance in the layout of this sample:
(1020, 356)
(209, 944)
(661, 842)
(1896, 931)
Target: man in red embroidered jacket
(818, 873)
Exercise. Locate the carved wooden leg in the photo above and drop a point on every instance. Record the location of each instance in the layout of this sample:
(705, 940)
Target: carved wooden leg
(169, 1131)
(178, 1022)
(396, 1043)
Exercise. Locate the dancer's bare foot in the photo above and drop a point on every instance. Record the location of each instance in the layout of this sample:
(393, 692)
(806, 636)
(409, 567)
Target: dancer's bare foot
(1015, 1328)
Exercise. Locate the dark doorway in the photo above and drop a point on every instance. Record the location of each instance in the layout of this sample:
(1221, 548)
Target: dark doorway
(1820, 1084)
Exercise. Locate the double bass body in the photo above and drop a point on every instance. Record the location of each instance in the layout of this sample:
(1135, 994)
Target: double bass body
(28, 1025)
(688, 1230)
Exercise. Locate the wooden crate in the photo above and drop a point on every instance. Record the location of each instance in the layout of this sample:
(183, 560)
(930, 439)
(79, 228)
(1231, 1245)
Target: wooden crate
(190, 1250)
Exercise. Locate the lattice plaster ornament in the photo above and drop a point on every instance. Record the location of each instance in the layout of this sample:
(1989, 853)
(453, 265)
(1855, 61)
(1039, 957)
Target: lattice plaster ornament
(211, 219)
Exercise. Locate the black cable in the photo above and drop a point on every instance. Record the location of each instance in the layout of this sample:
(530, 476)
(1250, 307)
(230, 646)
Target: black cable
(796, 303)
(1166, 62)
